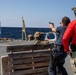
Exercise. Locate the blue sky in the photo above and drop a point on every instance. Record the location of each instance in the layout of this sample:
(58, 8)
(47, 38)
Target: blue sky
(36, 13)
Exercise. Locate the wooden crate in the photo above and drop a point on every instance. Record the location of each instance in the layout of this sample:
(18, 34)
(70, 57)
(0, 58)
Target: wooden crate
(29, 59)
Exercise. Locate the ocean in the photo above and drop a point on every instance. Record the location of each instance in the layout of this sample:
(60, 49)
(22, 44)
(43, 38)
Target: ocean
(16, 32)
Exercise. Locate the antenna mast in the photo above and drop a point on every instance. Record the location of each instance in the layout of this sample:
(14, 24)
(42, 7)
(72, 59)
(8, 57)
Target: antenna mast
(23, 29)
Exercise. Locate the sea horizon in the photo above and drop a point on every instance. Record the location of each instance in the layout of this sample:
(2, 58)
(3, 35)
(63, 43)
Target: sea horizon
(16, 32)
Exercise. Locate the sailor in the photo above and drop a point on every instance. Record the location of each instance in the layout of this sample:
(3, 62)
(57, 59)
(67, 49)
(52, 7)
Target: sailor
(37, 35)
(70, 32)
(30, 37)
(58, 54)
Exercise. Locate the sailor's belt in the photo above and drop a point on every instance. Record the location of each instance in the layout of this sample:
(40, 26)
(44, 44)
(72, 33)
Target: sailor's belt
(58, 46)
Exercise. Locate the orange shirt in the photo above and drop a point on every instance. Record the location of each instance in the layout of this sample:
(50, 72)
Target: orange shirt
(70, 32)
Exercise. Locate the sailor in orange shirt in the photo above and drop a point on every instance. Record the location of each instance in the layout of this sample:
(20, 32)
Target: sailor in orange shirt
(70, 33)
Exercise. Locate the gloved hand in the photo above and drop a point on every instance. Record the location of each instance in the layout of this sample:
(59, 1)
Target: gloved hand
(70, 53)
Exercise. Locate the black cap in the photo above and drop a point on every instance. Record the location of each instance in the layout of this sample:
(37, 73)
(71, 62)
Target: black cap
(51, 23)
